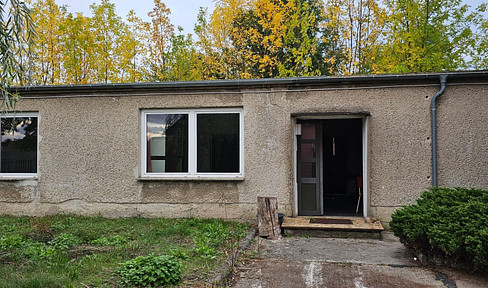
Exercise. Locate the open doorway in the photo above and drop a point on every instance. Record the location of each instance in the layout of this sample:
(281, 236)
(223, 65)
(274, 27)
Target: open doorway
(343, 166)
(330, 167)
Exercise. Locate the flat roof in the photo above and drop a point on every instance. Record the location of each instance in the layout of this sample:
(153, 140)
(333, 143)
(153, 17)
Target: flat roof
(248, 85)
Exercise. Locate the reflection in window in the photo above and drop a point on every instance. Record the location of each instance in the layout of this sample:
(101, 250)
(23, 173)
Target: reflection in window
(167, 143)
(19, 144)
(218, 142)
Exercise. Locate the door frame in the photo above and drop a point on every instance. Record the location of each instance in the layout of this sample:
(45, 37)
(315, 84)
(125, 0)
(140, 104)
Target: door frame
(365, 124)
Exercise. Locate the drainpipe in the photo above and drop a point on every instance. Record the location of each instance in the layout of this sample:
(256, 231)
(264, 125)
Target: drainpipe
(433, 117)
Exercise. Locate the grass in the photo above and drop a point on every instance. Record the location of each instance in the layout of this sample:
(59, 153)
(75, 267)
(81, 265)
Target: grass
(74, 251)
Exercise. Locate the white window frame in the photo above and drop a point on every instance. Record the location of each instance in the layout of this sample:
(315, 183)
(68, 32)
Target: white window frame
(192, 145)
(15, 176)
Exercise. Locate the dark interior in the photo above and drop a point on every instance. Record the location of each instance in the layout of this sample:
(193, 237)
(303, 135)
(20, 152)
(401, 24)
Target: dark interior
(342, 162)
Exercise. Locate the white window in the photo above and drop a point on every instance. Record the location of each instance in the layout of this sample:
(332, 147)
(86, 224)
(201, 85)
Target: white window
(193, 143)
(19, 145)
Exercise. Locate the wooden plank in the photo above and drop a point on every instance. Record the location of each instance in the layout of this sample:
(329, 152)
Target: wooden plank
(358, 224)
(268, 222)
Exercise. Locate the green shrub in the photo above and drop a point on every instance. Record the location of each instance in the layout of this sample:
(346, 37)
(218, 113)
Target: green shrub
(448, 223)
(151, 271)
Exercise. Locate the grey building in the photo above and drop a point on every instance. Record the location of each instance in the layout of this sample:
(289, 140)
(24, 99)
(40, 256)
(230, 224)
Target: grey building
(356, 146)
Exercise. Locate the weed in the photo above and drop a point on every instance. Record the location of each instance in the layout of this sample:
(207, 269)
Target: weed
(151, 271)
(204, 249)
(11, 241)
(8, 228)
(64, 241)
(179, 254)
(37, 251)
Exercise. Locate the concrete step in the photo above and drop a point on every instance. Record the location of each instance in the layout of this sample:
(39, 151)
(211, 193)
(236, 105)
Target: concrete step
(332, 227)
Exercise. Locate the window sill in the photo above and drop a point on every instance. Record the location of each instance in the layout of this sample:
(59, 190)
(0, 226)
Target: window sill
(191, 178)
(17, 178)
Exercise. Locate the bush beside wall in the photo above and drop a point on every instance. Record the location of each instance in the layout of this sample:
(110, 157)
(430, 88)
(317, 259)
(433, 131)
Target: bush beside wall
(447, 225)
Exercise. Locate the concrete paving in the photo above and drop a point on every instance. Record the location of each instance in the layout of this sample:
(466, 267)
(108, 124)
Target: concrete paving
(333, 262)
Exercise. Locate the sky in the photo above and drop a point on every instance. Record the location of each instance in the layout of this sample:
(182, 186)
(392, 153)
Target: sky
(183, 12)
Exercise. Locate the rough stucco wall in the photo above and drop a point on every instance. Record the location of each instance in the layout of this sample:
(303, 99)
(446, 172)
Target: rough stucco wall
(268, 144)
(399, 148)
(87, 150)
(463, 137)
(90, 152)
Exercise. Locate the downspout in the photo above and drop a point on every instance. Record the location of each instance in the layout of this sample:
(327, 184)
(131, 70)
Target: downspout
(433, 117)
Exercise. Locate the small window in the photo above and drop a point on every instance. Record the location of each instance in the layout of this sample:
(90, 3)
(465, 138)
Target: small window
(19, 145)
(192, 143)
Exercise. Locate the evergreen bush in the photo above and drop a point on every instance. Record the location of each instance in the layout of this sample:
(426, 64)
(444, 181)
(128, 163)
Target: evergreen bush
(447, 224)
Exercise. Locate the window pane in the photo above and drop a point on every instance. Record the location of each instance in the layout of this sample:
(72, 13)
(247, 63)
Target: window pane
(308, 200)
(218, 142)
(167, 143)
(307, 151)
(308, 170)
(308, 131)
(19, 145)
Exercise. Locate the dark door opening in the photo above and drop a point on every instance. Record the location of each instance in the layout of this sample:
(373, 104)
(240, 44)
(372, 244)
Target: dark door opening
(343, 166)
(330, 165)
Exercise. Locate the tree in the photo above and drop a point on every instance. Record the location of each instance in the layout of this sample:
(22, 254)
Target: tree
(132, 49)
(78, 57)
(16, 38)
(309, 48)
(49, 49)
(426, 36)
(160, 31)
(207, 58)
(359, 26)
(259, 34)
(479, 48)
(284, 38)
(183, 59)
(107, 28)
(221, 28)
